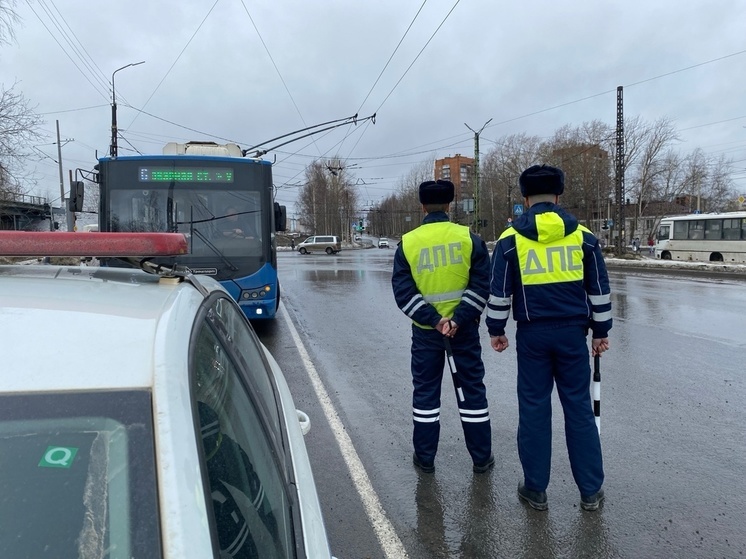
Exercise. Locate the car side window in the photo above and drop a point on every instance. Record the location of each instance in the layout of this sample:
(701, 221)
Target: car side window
(247, 349)
(250, 501)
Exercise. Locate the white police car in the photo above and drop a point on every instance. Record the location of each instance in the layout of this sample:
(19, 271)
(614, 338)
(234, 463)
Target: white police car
(140, 416)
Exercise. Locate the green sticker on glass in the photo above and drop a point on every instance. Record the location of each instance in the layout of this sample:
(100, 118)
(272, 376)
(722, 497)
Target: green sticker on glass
(58, 457)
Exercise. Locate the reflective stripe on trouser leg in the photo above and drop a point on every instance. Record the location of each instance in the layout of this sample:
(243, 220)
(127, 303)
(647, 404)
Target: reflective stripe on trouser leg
(428, 361)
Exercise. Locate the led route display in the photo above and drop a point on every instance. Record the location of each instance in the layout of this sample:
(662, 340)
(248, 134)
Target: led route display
(186, 174)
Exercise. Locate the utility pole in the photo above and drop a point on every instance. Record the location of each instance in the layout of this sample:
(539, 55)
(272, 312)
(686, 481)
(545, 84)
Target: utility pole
(113, 148)
(620, 168)
(63, 201)
(478, 221)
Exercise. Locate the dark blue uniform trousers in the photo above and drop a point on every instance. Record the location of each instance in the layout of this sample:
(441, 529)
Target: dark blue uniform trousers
(548, 355)
(428, 362)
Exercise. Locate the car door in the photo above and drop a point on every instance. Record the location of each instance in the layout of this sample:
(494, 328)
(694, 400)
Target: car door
(252, 500)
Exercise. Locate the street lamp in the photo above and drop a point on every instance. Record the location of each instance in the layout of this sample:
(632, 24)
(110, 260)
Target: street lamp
(114, 109)
(478, 221)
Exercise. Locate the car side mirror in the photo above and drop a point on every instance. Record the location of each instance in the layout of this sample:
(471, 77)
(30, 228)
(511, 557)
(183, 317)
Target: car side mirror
(280, 217)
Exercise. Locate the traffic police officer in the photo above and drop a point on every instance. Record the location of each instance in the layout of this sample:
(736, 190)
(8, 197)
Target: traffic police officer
(553, 269)
(441, 281)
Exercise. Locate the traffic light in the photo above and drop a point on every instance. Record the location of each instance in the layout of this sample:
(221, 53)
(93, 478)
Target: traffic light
(75, 202)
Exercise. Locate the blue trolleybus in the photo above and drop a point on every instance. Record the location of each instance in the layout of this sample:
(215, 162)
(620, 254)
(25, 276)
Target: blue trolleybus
(221, 200)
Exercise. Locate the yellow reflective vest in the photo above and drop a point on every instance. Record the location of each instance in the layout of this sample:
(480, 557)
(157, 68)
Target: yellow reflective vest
(558, 262)
(439, 257)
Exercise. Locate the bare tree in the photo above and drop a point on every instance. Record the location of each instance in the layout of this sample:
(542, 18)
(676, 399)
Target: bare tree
(8, 18)
(650, 165)
(583, 154)
(408, 194)
(718, 188)
(501, 168)
(19, 127)
(401, 212)
(327, 201)
(18, 123)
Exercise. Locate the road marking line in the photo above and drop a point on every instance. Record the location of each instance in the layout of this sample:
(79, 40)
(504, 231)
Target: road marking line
(387, 537)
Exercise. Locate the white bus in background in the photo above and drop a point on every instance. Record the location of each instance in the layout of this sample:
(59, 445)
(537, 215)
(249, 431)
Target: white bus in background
(715, 237)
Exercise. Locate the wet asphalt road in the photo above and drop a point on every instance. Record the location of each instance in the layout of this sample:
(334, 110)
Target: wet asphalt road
(673, 424)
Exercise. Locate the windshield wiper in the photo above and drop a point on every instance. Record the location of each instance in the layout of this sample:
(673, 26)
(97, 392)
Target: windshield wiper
(212, 247)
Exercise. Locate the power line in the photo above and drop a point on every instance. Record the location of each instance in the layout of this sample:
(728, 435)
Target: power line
(418, 55)
(614, 90)
(74, 110)
(65, 51)
(90, 65)
(174, 62)
(392, 55)
(406, 71)
(277, 69)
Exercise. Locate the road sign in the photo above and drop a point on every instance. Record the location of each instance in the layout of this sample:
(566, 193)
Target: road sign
(517, 209)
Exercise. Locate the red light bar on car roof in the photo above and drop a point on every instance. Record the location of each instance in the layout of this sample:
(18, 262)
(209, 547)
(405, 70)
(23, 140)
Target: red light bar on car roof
(47, 243)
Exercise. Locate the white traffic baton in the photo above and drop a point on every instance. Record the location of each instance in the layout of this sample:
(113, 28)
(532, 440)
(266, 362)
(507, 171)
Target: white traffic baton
(452, 367)
(596, 391)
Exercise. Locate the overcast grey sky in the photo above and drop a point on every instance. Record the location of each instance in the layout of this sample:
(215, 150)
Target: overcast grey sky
(248, 71)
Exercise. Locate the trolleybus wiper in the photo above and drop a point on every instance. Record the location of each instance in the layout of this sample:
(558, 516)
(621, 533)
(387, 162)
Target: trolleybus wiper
(215, 249)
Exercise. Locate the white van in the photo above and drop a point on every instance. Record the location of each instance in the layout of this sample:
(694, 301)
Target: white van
(330, 244)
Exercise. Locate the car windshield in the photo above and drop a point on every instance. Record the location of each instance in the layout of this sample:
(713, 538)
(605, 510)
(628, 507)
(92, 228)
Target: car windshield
(77, 476)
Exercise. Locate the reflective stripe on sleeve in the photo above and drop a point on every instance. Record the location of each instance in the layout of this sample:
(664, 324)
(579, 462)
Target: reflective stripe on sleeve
(412, 302)
(497, 315)
(602, 316)
(600, 299)
(498, 308)
(410, 313)
(480, 308)
(499, 301)
(474, 300)
(473, 295)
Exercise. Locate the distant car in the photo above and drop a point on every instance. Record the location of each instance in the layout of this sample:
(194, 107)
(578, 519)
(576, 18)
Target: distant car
(383, 242)
(358, 238)
(330, 244)
(144, 418)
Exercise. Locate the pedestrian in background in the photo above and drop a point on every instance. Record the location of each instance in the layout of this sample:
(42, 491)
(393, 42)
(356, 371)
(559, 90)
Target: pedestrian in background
(441, 282)
(553, 270)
